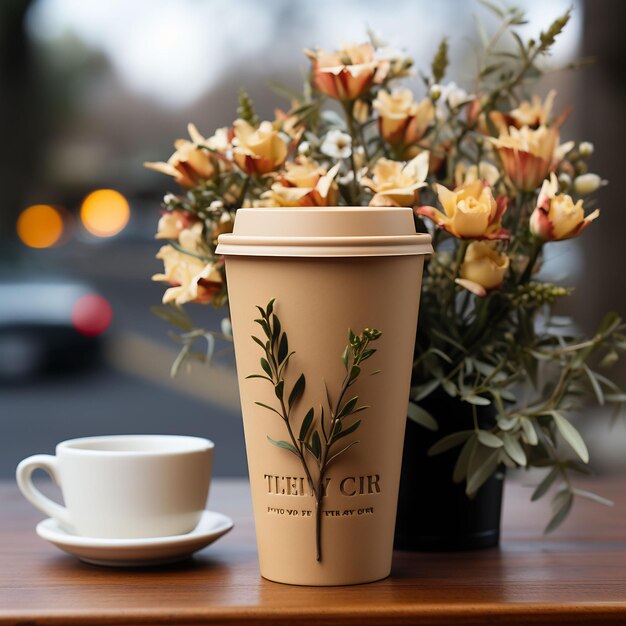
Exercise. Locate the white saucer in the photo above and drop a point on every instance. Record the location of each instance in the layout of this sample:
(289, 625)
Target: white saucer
(137, 552)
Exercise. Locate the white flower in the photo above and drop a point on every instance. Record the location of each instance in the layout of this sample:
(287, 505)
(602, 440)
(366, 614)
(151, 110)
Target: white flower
(304, 147)
(587, 183)
(216, 204)
(337, 145)
(451, 97)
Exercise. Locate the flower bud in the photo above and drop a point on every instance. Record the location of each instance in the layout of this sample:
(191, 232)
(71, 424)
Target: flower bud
(435, 92)
(585, 149)
(587, 183)
(565, 181)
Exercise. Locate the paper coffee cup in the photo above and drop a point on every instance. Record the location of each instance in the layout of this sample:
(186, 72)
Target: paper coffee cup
(329, 270)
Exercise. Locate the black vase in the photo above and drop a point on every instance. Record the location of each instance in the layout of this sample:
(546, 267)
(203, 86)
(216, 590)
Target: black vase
(434, 514)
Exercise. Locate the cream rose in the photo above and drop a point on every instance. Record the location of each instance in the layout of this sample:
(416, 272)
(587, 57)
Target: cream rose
(469, 211)
(395, 183)
(402, 121)
(192, 278)
(190, 165)
(483, 266)
(557, 216)
(344, 74)
(258, 150)
(305, 183)
(529, 155)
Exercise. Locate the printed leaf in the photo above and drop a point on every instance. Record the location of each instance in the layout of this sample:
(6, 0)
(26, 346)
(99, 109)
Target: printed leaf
(283, 348)
(266, 367)
(257, 340)
(278, 389)
(422, 417)
(346, 432)
(316, 445)
(275, 328)
(283, 444)
(348, 407)
(269, 408)
(306, 425)
(297, 391)
(334, 456)
(260, 376)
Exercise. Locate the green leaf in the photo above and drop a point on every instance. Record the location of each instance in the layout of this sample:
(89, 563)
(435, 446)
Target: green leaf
(306, 425)
(422, 391)
(348, 407)
(545, 484)
(589, 495)
(477, 400)
(440, 61)
(462, 463)
(346, 432)
(489, 439)
(450, 441)
(529, 431)
(266, 367)
(316, 445)
(422, 417)
(571, 435)
(367, 354)
(483, 463)
(269, 408)
(616, 397)
(297, 391)
(283, 348)
(514, 449)
(595, 385)
(283, 444)
(562, 504)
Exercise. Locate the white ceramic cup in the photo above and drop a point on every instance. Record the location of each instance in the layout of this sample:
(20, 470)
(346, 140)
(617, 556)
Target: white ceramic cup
(124, 486)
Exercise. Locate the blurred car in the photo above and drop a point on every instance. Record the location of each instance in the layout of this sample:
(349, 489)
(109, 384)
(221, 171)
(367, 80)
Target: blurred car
(50, 327)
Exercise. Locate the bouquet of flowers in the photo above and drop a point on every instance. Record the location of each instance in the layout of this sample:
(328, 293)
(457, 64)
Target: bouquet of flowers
(486, 173)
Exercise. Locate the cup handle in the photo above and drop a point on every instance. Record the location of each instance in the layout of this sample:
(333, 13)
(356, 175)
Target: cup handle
(24, 475)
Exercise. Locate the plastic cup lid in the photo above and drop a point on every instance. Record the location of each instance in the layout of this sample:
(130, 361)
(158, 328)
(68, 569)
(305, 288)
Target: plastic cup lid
(324, 232)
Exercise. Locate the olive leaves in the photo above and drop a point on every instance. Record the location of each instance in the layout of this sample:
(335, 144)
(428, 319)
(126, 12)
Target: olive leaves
(318, 441)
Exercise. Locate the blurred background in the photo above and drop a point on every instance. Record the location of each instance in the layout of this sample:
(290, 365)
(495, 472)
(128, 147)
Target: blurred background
(90, 90)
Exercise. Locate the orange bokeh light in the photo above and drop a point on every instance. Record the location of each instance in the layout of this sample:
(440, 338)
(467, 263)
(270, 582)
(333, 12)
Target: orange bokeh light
(40, 226)
(105, 212)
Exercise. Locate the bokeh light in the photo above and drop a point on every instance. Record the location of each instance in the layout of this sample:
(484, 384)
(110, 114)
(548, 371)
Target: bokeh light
(40, 226)
(91, 315)
(105, 212)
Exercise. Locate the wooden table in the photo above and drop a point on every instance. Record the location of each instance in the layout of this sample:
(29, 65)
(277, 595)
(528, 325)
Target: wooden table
(575, 576)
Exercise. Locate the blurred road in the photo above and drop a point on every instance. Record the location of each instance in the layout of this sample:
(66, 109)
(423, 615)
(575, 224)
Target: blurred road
(132, 392)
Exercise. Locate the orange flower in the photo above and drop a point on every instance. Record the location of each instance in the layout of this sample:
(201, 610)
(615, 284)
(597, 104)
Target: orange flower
(528, 155)
(189, 165)
(556, 216)
(258, 150)
(402, 121)
(305, 183)
(172, 223)
(470, 211)
(483, 268)
(344, 74)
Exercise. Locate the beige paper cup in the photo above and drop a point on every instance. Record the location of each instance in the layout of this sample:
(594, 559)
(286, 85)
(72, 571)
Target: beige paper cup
(329, 270)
